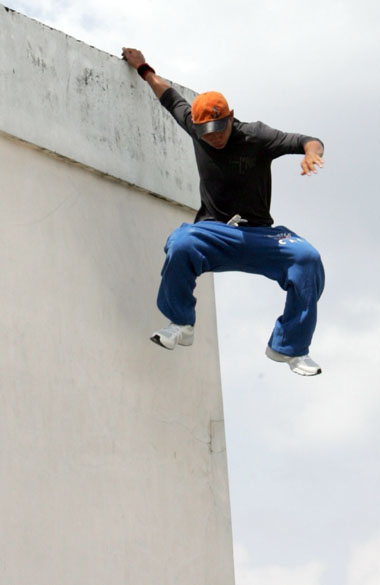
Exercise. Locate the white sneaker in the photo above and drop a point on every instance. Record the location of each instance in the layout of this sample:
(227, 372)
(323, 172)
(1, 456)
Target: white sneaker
(173, 334)
(302, 364)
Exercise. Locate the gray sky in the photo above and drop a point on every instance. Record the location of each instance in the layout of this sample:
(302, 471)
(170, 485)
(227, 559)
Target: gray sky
(303, 453)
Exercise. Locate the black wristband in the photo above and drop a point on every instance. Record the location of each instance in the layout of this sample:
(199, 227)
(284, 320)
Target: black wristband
(144, 69)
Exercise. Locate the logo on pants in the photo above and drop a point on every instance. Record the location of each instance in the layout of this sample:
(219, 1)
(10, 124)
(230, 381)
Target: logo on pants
(285, 237)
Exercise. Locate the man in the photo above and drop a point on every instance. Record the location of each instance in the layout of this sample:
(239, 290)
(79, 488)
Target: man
(233, 227)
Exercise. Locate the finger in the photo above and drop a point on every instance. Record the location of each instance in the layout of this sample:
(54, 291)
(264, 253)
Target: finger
(307, 168)
(318, 161)
(309, 162)
(127, 52)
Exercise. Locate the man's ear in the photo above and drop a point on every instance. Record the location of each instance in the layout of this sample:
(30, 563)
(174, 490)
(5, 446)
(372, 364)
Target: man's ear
(231, 114)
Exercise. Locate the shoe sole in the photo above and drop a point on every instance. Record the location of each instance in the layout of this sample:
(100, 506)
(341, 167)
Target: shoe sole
(157, 339)
(302, 373)
(277, 357)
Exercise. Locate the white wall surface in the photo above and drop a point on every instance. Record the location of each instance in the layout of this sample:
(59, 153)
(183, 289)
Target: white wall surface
(112, 457)
(113, 467)
(72, 99)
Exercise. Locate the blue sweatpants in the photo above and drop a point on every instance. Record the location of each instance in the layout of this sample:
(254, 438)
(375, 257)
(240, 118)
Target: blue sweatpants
(274, 252)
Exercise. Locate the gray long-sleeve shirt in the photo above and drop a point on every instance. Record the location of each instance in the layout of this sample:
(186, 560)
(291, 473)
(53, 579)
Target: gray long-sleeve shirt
(237, 178)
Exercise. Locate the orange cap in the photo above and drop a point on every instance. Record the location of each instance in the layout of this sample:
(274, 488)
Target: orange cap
(210, 113)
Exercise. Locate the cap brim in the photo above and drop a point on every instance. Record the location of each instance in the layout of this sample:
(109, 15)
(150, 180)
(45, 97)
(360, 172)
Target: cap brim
(212, 126)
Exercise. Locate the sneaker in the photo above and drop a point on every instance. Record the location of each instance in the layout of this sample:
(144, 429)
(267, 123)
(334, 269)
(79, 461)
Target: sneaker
(174, 334)
(302, 364)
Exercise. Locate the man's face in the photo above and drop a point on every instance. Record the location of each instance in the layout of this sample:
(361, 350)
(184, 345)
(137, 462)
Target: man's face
(219, 140)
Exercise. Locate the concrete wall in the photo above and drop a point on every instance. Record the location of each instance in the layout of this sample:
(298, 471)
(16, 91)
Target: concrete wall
(112, 452)
(91, 107)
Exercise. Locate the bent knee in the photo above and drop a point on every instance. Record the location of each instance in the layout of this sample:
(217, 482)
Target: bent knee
(180, 247)
(184, 249)
(307, 254)
(182, 241)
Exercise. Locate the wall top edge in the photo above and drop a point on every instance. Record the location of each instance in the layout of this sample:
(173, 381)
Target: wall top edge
(89, 106)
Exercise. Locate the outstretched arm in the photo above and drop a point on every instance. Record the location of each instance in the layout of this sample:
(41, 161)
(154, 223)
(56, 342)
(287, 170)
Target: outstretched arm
(313, 156)
(135, 59)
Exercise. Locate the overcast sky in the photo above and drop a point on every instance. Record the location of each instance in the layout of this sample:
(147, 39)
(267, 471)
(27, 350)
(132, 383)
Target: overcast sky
(304, 455)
